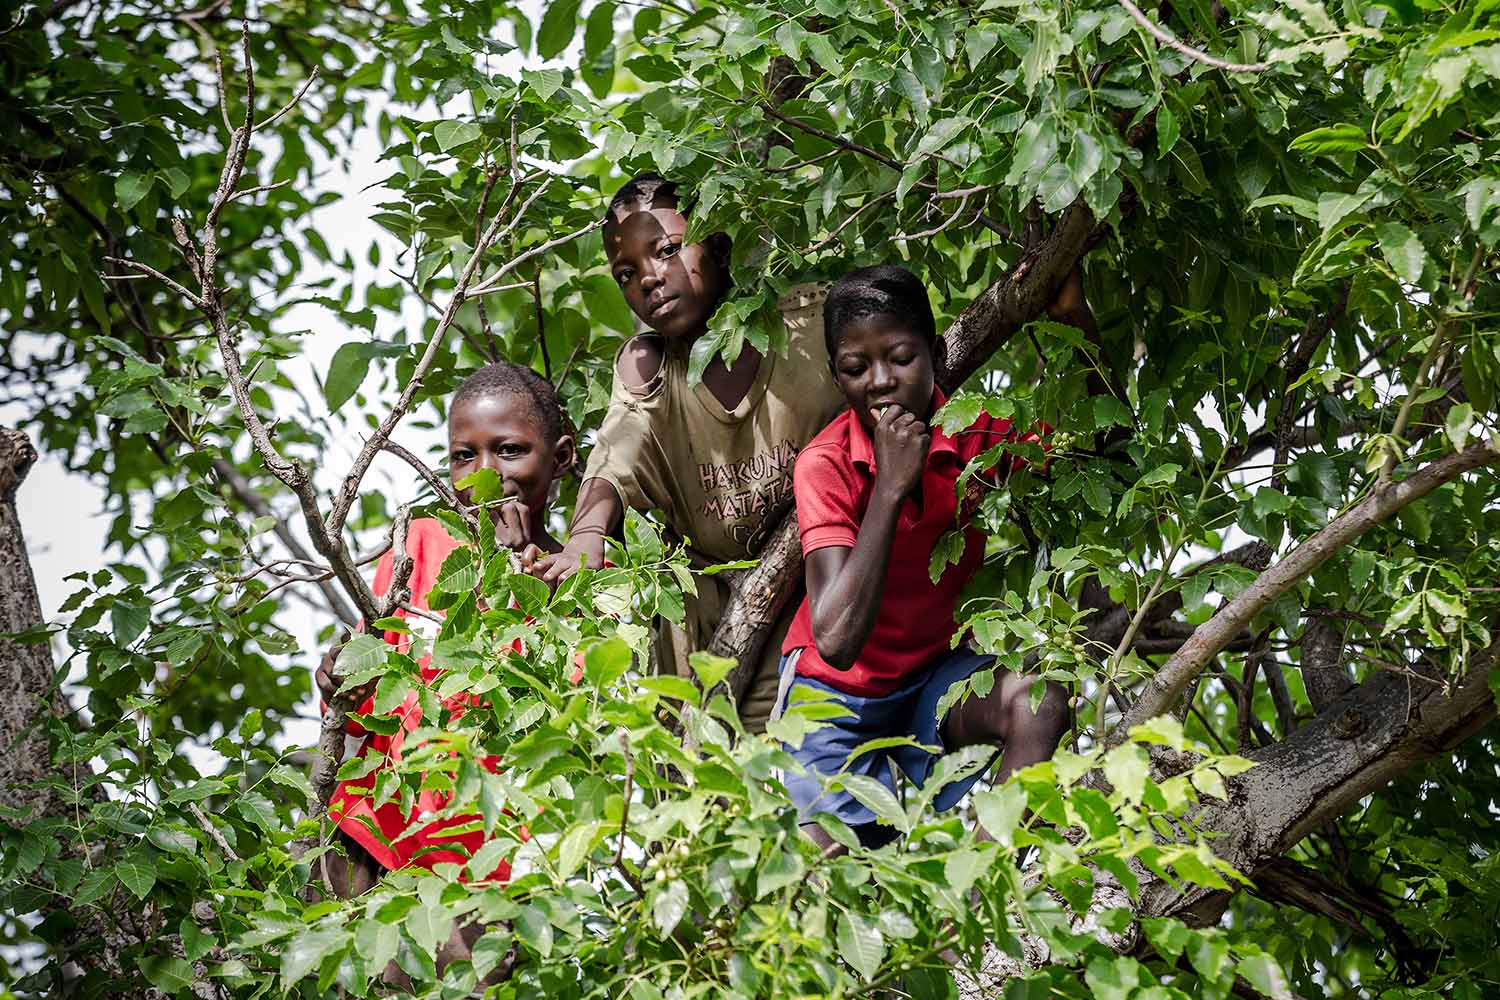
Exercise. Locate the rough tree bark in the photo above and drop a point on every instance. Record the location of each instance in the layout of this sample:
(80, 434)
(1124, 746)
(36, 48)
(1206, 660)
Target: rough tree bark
(32, 700)
(26, 668)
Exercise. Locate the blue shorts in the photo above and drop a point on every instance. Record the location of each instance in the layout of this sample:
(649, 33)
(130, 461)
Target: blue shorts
(911, 711)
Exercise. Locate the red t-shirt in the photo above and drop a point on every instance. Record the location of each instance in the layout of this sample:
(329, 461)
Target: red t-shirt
(387, 832)
(832, 481)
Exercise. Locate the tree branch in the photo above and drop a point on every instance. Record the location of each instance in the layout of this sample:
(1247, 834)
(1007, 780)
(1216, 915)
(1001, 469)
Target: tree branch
(1162, 690)
(1198, 55)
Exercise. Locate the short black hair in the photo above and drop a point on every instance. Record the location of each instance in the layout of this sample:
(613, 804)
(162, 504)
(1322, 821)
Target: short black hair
(642, 193)
(507, 378)
(884, 289)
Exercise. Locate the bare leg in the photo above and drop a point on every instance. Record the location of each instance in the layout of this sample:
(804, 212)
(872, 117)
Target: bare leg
(1005, 717)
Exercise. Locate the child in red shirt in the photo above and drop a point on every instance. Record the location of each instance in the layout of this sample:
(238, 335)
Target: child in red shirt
(875, 490)
(507, 418)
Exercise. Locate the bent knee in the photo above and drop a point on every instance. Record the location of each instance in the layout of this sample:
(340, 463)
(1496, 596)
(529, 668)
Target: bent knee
(1050, 718)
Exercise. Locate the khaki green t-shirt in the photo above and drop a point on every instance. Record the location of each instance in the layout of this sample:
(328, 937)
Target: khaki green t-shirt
(720, 478)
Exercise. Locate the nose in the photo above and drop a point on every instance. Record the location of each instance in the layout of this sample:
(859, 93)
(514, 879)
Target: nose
(882, 377)
(650, 276)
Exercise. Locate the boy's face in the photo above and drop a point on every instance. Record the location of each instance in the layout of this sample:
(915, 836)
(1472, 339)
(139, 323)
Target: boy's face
(673, 288)
(877, 361)
(500, 431)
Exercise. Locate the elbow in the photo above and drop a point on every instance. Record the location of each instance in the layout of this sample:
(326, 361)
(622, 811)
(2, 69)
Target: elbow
(836, 655)
(834, 648)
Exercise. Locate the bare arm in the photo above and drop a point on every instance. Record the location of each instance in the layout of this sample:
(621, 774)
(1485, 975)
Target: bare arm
(844, 585)
(598, 513)
(1072, 309)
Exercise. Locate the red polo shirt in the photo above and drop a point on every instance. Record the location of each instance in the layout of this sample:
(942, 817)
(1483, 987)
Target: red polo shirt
(832, 481)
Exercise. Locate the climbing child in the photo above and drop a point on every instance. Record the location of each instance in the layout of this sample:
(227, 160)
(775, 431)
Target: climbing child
(714, 459)
(875, 491)
(506, 418)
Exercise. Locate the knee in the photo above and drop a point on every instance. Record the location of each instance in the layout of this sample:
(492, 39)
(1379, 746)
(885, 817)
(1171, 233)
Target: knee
(1050, 719)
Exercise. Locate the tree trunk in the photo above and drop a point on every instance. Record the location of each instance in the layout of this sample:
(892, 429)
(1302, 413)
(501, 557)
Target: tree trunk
(33, 701)
(26, 667)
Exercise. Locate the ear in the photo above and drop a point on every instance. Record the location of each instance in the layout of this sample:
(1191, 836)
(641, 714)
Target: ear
(564, 455)
(939, 355)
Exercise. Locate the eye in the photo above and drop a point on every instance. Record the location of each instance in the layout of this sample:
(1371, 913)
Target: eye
(669, 250)
(460, 455)
(852, 371)
(623, 276)
(903, 358)
(512, 450)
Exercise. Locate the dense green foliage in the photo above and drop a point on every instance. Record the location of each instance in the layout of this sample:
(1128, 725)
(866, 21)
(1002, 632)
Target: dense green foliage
(1344, 199)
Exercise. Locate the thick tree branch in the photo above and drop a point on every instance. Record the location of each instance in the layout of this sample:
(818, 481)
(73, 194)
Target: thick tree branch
(1163, 689)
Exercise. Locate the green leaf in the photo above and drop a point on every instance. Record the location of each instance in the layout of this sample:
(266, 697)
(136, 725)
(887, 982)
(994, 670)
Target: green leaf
(452, 134)
(947, 551)
(1333, 139)
(137, 878)
(1127, 768)
(574, 848)
(429, 926)
(347, 370)
(559, 23)
(1000, 810)
(669, 906)
(876, 797)
(305, 953)
(1456, 425)
(860, 943)
(128, 621)
(533, 927)
(459, 573)
(606, 662)
(1167, 131)
(361, 658)
(710, 669)
(168, 974)
(131, 187)
(484, 485)
(1402, 250)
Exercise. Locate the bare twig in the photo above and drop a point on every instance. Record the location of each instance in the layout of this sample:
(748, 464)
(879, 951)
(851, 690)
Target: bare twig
(149, 271)
(870, 203)
(349, 491)
(1198, 55)
(247, 192)
(439, 486)
(296, 99)
(1380, 504)
(1466, 289)
(213, 833)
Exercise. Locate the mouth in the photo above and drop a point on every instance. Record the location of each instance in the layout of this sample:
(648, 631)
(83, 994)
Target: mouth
(662, 308)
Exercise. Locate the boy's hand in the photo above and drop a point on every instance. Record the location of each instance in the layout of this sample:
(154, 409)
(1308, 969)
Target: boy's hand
(553, 569)
(513, 526)
(328, 686)
(901, 443)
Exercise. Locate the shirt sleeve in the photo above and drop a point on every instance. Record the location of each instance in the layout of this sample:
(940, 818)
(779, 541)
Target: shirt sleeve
(627, 456)
(827, 510)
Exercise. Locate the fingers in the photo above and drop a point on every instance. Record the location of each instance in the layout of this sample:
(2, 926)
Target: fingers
(530, 556)
(513, 528)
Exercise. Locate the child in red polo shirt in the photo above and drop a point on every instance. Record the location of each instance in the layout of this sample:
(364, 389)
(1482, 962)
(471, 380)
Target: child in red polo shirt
(875, 490)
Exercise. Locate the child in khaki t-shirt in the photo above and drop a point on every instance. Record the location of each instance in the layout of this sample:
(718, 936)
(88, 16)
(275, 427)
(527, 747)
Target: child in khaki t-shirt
(715, 459)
